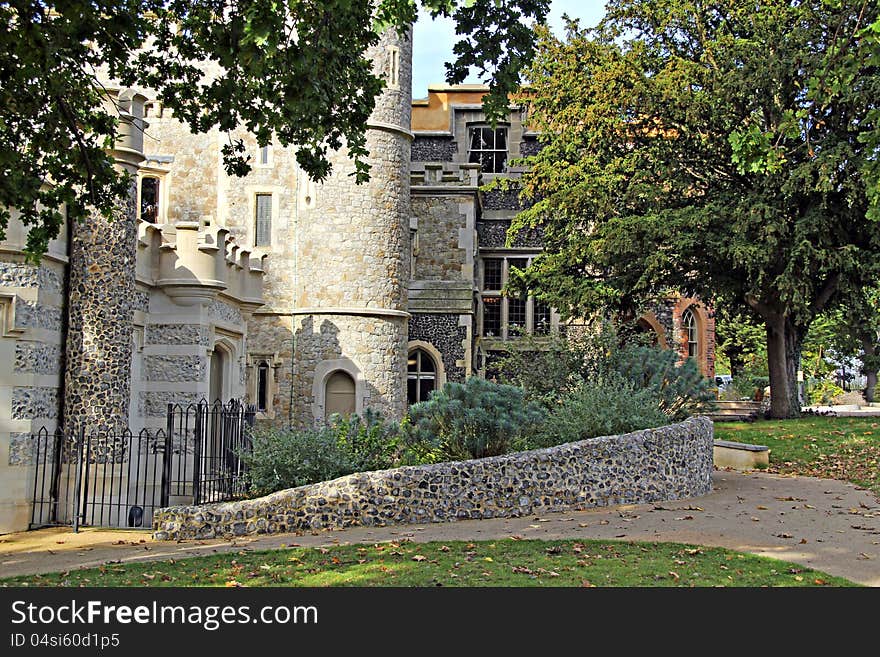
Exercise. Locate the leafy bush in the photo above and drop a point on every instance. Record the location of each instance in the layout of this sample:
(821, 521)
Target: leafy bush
(824, 392)
(609, 405)
(547, 367)
(471, 420)
(680, 390)
(370, 442)
(287, 458)
(549, 370)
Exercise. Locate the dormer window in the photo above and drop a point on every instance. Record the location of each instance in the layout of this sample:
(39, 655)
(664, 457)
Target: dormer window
(488, 148)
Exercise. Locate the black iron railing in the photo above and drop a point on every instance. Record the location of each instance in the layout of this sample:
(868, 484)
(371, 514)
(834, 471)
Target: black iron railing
(119, 480)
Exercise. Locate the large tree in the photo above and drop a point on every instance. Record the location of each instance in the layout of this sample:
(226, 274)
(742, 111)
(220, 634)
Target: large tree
(694, 145)
(292, 70)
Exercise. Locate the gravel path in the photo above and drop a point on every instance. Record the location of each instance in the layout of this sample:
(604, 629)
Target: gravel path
(824, 524)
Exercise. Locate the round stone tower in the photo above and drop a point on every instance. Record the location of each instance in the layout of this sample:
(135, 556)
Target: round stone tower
(97, 386)
(352, 266)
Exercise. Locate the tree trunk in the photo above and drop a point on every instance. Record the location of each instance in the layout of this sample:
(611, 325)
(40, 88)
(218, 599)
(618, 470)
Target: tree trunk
(737, 361)
(869, 357)
(784, 341)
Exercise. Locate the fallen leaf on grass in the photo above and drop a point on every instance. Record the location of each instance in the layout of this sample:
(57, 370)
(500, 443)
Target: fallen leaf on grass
(522, 570)
(444, 548)
(587, 584)
(674, 575)
(419, 557)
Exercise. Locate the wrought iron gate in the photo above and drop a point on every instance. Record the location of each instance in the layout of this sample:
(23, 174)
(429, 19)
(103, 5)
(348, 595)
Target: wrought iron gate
(119, 480)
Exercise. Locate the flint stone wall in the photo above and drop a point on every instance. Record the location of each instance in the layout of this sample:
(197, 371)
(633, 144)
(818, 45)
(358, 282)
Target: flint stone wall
(665, 463)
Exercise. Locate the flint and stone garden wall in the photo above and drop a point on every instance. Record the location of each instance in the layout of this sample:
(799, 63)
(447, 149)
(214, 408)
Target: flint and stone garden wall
(665, 463)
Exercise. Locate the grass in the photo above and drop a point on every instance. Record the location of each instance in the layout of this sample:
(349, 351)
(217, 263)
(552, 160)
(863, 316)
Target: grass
(507, 562)
(846, 448)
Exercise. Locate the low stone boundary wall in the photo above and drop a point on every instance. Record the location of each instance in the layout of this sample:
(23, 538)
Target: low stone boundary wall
(666, 463)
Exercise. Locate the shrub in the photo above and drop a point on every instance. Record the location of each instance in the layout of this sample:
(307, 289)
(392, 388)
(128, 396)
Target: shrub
(471, 420)
(606, 406)
(680, 390)
(824, 392)
(370, 442)
(287, 458)
(549, 369)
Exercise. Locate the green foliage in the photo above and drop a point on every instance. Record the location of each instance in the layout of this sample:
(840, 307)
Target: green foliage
(289, 71)
(750, 384)
(609, 405)
(684, 147)
(371, 442)
(473, 419)
(548, 367)
(678, 390)
(740, 337)
(287, 458)
(824, 392)
(551, 371)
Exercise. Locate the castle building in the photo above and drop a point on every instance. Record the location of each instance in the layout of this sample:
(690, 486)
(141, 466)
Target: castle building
(305, 299)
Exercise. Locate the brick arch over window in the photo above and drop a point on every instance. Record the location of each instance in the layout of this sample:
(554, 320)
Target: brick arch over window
(649, 322)
(701, 328)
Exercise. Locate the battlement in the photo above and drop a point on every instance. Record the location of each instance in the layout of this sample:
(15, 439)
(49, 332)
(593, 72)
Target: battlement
(194, 261)
(444, 174)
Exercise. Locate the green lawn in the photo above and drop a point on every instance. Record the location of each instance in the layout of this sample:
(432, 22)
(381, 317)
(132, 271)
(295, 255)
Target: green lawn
(843, 448)
(507, 562)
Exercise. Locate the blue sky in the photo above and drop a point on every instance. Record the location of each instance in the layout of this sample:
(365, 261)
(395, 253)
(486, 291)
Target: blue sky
(433, 40)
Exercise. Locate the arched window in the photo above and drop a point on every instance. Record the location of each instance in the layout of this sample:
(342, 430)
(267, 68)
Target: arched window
(216, 383)
(149, 199)
(689, 324)
(262, 386)
(339, 394)
(421, 376)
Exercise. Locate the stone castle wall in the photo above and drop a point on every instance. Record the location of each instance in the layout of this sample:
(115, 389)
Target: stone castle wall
(31, 360)
(441, 252)
(665, 463)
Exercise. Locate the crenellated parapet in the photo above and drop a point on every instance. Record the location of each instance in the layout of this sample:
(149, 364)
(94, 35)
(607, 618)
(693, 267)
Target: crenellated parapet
(193, 262)
(444, 174)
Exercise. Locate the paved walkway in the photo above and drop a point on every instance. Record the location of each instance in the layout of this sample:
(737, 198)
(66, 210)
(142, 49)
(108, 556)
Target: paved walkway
(824, 524)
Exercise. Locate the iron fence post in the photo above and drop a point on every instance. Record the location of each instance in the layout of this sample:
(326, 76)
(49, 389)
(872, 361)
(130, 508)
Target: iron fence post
(77, 489)
(197, 453)
(166, 463)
